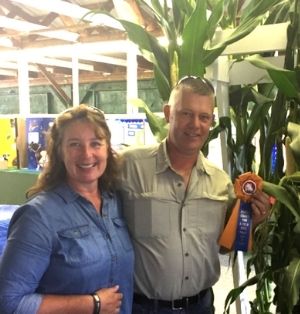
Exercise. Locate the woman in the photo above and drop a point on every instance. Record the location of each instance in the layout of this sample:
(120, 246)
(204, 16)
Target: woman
(68, 249)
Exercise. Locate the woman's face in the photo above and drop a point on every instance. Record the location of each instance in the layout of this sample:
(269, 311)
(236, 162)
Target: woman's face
(84, 154)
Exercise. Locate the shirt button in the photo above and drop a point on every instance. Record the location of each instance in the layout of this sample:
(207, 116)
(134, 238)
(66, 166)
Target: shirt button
(186, 254)
(186, 278)
(184, 229)
(179, 184)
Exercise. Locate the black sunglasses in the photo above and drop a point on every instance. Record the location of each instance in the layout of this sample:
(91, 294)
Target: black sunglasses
(202, 79)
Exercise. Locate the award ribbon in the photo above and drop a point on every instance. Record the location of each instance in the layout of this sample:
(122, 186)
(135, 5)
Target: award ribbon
(237, 233)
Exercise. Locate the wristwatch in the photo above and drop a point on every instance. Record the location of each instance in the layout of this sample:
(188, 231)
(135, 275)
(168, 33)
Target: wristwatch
(97, 303)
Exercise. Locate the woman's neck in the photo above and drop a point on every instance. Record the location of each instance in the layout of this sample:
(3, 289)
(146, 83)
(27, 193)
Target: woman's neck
(90, 192)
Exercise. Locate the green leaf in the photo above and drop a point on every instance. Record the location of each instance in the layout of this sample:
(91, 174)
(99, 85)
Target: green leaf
(257, 115)
(293, 131)
(291, 281)
(214, 19)
(181, 10)
(235, 293)
(258, 8)
(283, 197)
(162, 83)
(284, 79)
(193, 39)
(158, 125)
(148, 44)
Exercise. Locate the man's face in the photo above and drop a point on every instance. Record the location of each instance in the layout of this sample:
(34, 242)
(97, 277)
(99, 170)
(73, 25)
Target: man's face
(190, 116)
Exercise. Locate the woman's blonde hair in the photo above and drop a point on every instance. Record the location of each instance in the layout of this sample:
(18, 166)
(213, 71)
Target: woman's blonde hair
(54, 172)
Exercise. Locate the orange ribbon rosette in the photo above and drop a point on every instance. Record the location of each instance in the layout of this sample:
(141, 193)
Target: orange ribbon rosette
(245, 186)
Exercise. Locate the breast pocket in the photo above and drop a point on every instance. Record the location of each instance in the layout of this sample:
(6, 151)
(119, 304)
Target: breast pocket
(206, 215)
(77, 246)
(148, 217)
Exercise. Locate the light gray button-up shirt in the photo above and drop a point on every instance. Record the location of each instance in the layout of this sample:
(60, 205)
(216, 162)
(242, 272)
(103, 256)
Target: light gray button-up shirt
(175, 230)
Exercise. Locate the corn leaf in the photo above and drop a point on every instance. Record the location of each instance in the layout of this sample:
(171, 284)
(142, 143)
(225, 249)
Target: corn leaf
(193, 37)
(158, 125)
(291, 281)
(284, 79)
(293, 131)
(283, 197)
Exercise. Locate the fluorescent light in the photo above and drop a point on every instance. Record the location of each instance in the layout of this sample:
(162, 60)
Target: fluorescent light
(71, 10)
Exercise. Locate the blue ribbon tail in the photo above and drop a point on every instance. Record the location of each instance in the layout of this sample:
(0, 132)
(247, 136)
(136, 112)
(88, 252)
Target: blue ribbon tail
(243, 227)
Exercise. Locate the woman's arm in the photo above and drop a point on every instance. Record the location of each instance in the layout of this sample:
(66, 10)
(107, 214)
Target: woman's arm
(110, 298)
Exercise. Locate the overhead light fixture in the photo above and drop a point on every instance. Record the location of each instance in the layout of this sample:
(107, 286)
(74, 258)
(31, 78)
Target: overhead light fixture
(23, 26)
(72, 10)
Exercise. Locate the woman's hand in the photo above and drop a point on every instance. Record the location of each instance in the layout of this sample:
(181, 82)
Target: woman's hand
(111, 300)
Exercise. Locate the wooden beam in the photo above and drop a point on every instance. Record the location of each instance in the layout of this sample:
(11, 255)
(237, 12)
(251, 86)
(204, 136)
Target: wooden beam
(17, 11)
(57, 89)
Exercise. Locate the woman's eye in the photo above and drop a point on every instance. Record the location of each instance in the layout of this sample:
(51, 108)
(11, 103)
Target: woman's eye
(74, 144)
(96, 144)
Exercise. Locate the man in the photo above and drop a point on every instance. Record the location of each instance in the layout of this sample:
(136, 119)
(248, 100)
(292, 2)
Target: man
(175, 202)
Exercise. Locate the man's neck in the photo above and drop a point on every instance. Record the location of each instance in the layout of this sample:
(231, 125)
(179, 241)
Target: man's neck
(181, 161)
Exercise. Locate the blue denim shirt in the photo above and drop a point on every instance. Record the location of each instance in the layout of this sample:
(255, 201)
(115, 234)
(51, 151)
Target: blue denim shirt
(58, 244)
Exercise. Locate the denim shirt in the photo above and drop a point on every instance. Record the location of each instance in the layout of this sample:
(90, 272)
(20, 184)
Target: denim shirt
(58, 244)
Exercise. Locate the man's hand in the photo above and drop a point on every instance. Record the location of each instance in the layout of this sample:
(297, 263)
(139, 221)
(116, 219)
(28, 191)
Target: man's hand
(260, 203)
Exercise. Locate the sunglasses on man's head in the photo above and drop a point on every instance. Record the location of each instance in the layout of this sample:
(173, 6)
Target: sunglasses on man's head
(202, 79)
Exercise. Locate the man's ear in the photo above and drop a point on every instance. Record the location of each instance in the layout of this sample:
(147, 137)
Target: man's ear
(167, 109)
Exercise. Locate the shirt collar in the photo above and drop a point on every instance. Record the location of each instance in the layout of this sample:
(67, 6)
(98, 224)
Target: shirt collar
(69, 195)
(66, 192)
(163, 160)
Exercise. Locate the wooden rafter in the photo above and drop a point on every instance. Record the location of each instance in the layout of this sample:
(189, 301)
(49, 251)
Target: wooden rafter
(57, 89)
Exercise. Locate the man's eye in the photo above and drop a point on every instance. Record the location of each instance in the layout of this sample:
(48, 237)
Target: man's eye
(186, 114)
(205, 118)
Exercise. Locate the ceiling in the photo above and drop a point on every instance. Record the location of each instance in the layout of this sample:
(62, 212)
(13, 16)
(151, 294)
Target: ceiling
(50, 33)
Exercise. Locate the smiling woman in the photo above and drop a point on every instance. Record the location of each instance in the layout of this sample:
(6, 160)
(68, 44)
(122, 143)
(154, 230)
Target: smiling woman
(68, 247)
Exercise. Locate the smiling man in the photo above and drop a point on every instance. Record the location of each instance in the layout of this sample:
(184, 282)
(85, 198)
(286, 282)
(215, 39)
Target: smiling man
(175, 203)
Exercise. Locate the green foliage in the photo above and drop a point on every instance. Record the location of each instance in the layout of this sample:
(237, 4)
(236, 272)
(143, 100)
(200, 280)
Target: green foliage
(189, 30)
(158, 125)
(265, 108)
